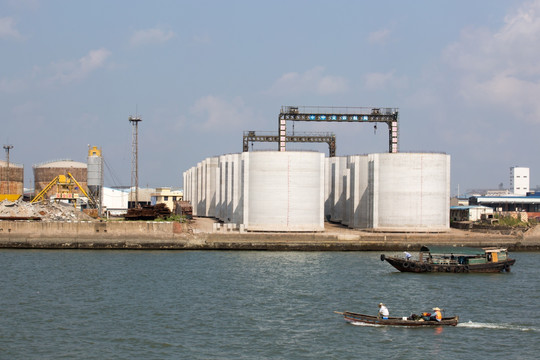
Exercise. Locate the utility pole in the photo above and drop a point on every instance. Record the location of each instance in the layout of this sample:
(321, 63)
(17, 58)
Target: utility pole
(8, 148)
(135, 120)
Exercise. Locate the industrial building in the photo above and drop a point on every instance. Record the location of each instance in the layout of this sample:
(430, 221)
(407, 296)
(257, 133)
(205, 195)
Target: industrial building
(470, 213)
(529, 203)
(519, 180)
(167, 196)
(296, 191)
(115, 201)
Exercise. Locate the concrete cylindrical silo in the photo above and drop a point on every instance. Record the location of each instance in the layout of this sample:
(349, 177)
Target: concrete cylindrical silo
(95, 175)
(359, 202)
(410, 191)
(283, 191)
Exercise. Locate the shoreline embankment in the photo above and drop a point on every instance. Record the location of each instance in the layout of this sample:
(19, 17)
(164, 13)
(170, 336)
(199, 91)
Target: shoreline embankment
(176, 236)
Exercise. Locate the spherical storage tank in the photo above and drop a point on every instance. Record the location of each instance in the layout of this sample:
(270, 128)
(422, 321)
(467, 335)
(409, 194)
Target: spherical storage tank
(45, 173)
(410, 191)
(283, 191)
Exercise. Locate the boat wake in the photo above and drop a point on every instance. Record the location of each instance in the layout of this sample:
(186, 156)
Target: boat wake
(478, 325)
(471, 325)
(358, 323)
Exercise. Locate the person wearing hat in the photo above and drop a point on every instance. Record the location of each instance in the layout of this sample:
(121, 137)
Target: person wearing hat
(383, 311)
(436, 315)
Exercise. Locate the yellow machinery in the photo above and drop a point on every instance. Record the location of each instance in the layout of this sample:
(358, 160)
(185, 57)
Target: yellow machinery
(65, 186)
(9, 197)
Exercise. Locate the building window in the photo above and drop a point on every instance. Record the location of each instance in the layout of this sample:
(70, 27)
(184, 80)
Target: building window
(174, 198)
(166, 198)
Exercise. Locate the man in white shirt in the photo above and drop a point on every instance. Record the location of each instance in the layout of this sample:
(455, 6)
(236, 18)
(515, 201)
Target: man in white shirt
(383, 311)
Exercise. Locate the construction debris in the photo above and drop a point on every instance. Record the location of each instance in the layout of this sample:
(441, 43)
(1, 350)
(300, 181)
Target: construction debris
(44, 211)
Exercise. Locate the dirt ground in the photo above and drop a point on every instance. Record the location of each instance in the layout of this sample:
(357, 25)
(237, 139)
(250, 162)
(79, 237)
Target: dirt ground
(206, 225)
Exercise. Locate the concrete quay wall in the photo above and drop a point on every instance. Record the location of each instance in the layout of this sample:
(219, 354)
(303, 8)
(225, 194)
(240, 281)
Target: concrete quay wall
(170, 235)
(36, 229)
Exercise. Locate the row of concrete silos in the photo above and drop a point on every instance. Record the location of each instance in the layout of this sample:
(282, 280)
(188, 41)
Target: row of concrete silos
(390, 192)
(260, 191)
(296, 191)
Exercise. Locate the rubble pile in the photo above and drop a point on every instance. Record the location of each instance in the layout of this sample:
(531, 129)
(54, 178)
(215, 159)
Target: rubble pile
(40, 211)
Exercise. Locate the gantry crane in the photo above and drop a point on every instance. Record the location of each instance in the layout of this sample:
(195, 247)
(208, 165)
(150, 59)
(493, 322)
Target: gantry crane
(340, 114)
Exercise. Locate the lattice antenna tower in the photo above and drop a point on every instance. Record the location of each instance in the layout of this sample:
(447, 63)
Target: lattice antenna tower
(7, 148)
(135, 120)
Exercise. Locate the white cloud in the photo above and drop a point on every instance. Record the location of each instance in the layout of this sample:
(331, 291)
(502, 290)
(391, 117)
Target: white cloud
(217, 114)
(70, 71)
(383, 81)
(311, 81)
(501, 68)
(12, 86)
(151, 36)
(8, 30)
(378, 37)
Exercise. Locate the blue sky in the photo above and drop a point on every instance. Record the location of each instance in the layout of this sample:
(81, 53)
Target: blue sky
(465, 76)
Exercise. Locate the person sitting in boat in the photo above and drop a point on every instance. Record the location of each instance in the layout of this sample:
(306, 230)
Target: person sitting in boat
(436, 315)
(407, 256)
(383, 311)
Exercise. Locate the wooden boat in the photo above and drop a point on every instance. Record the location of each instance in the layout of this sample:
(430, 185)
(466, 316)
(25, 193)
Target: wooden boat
(452, 259)
(352, 317)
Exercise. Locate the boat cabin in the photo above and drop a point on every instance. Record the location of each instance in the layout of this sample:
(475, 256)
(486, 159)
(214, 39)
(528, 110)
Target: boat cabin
(450, 255)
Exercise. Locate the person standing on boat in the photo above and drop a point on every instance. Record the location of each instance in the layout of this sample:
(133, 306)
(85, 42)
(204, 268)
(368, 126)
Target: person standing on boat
(436, 315)
(383, 311)
(407, 256)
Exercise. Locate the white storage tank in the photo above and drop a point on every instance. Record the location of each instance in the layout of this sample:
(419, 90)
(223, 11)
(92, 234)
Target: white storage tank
(209, 172)
(337, 197)
(359, 202)
(283, 191)
(410, 191)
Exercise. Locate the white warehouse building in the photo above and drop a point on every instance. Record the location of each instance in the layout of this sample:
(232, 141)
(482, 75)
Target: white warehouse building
(296, 191)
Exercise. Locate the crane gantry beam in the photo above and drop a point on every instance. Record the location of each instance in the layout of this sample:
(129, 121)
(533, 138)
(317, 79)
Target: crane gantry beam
(329, 138)
(340, 114)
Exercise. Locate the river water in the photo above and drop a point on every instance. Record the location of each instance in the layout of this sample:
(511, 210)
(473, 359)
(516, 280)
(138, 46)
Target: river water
(71, 304)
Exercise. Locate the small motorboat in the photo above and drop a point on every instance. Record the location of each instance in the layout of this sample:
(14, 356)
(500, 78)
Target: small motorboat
(352, 317)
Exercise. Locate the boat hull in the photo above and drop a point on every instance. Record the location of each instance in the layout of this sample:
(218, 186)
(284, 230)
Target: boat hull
(422, 267)
(352, 317)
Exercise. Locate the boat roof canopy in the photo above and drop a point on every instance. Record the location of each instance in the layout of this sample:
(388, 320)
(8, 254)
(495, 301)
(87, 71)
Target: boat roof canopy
(456, 250)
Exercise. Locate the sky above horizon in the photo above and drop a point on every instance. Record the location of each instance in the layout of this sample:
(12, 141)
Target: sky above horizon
(464, 75)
